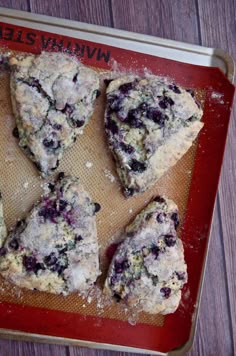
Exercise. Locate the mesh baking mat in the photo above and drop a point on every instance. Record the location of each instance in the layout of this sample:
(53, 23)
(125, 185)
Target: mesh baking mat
(90, 160)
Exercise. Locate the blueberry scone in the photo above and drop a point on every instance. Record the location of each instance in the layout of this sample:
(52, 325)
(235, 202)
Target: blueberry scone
(150, 125)
(53, 97)
(3, 230)
(148, 269)
(55, 249)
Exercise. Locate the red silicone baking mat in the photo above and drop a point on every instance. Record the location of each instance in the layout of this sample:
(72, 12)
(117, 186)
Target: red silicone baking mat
(196, 178)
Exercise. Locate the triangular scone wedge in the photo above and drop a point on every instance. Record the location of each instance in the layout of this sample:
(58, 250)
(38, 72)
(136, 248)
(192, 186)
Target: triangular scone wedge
(150, 125)
(3, 230)
(148, 269)
(53, 97)
(55, 249)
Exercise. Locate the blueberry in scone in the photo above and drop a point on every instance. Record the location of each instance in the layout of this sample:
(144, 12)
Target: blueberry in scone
(3, 230)
(150, 125)
(55, 249)
(148, 269)
(53, 97)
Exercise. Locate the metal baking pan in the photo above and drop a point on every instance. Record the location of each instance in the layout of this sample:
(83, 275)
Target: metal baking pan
(197, 67)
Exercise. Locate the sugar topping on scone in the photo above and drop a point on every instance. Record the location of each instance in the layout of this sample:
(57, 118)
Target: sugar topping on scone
(53, 97)
(55, 249)
(150, 125)
(148, 269)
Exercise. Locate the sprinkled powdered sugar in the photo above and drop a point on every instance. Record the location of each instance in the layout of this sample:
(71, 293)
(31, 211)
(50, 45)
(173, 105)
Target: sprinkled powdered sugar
(109, 175)
(58, 96)
(88, 164)
(218, 97)
(150, 124)
(26, 185)
(42, 252)
(148, 270)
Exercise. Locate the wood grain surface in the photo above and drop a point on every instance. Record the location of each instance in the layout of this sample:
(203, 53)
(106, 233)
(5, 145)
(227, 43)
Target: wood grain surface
(210, 23)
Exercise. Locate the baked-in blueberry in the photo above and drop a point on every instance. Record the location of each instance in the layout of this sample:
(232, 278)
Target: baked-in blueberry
(48, 212)
(78, 238)
(111, 125)
(15, 132)
(157, 116)
(190, 91)
(117, 297)
(115, 103)
(126, 87)
(29, 263)
(174, 88)
(137, 166)
(60, 176)
(77, 123)
(159, 199)
(97, 207)
(133, 119)
(170, 240)
(107, 81)
(166, 292)
(62, 204)
(57, 127)
(49, 143)
(98, 93)
(155, 250)
(165, 102)
(127, 148)
(67, 109)
(175, 218)
(181, 275)
(14, 244)
(161, 217)
(50, 260)
(3, 251)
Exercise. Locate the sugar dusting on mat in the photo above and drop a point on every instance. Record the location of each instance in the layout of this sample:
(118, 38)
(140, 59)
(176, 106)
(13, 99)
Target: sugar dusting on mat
(88, 164)
(117, 70)
(109, 175)
(218, 97)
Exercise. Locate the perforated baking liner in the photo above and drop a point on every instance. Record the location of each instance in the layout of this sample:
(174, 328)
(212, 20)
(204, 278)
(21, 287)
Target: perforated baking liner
(89, 159)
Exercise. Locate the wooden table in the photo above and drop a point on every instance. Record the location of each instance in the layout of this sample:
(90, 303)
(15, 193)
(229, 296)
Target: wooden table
(206, 22)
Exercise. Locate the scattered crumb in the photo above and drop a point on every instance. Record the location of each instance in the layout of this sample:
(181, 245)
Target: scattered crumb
(215, 95)
(130, 211)
(88, 164)
(84, 306)
(89, 300)
(26, 185)
(109, 175)
(80, 132)
(132, 320)
(218, 96)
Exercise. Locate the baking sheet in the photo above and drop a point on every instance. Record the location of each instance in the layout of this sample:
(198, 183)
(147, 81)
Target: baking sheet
(20, 185)
(90, 160)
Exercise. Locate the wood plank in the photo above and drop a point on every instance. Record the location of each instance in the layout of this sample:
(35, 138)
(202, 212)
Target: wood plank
(90, 352)
(15, 4)
(19, 348)
(95, 12)
(169, 19)
(213, 335)
(218, 29)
